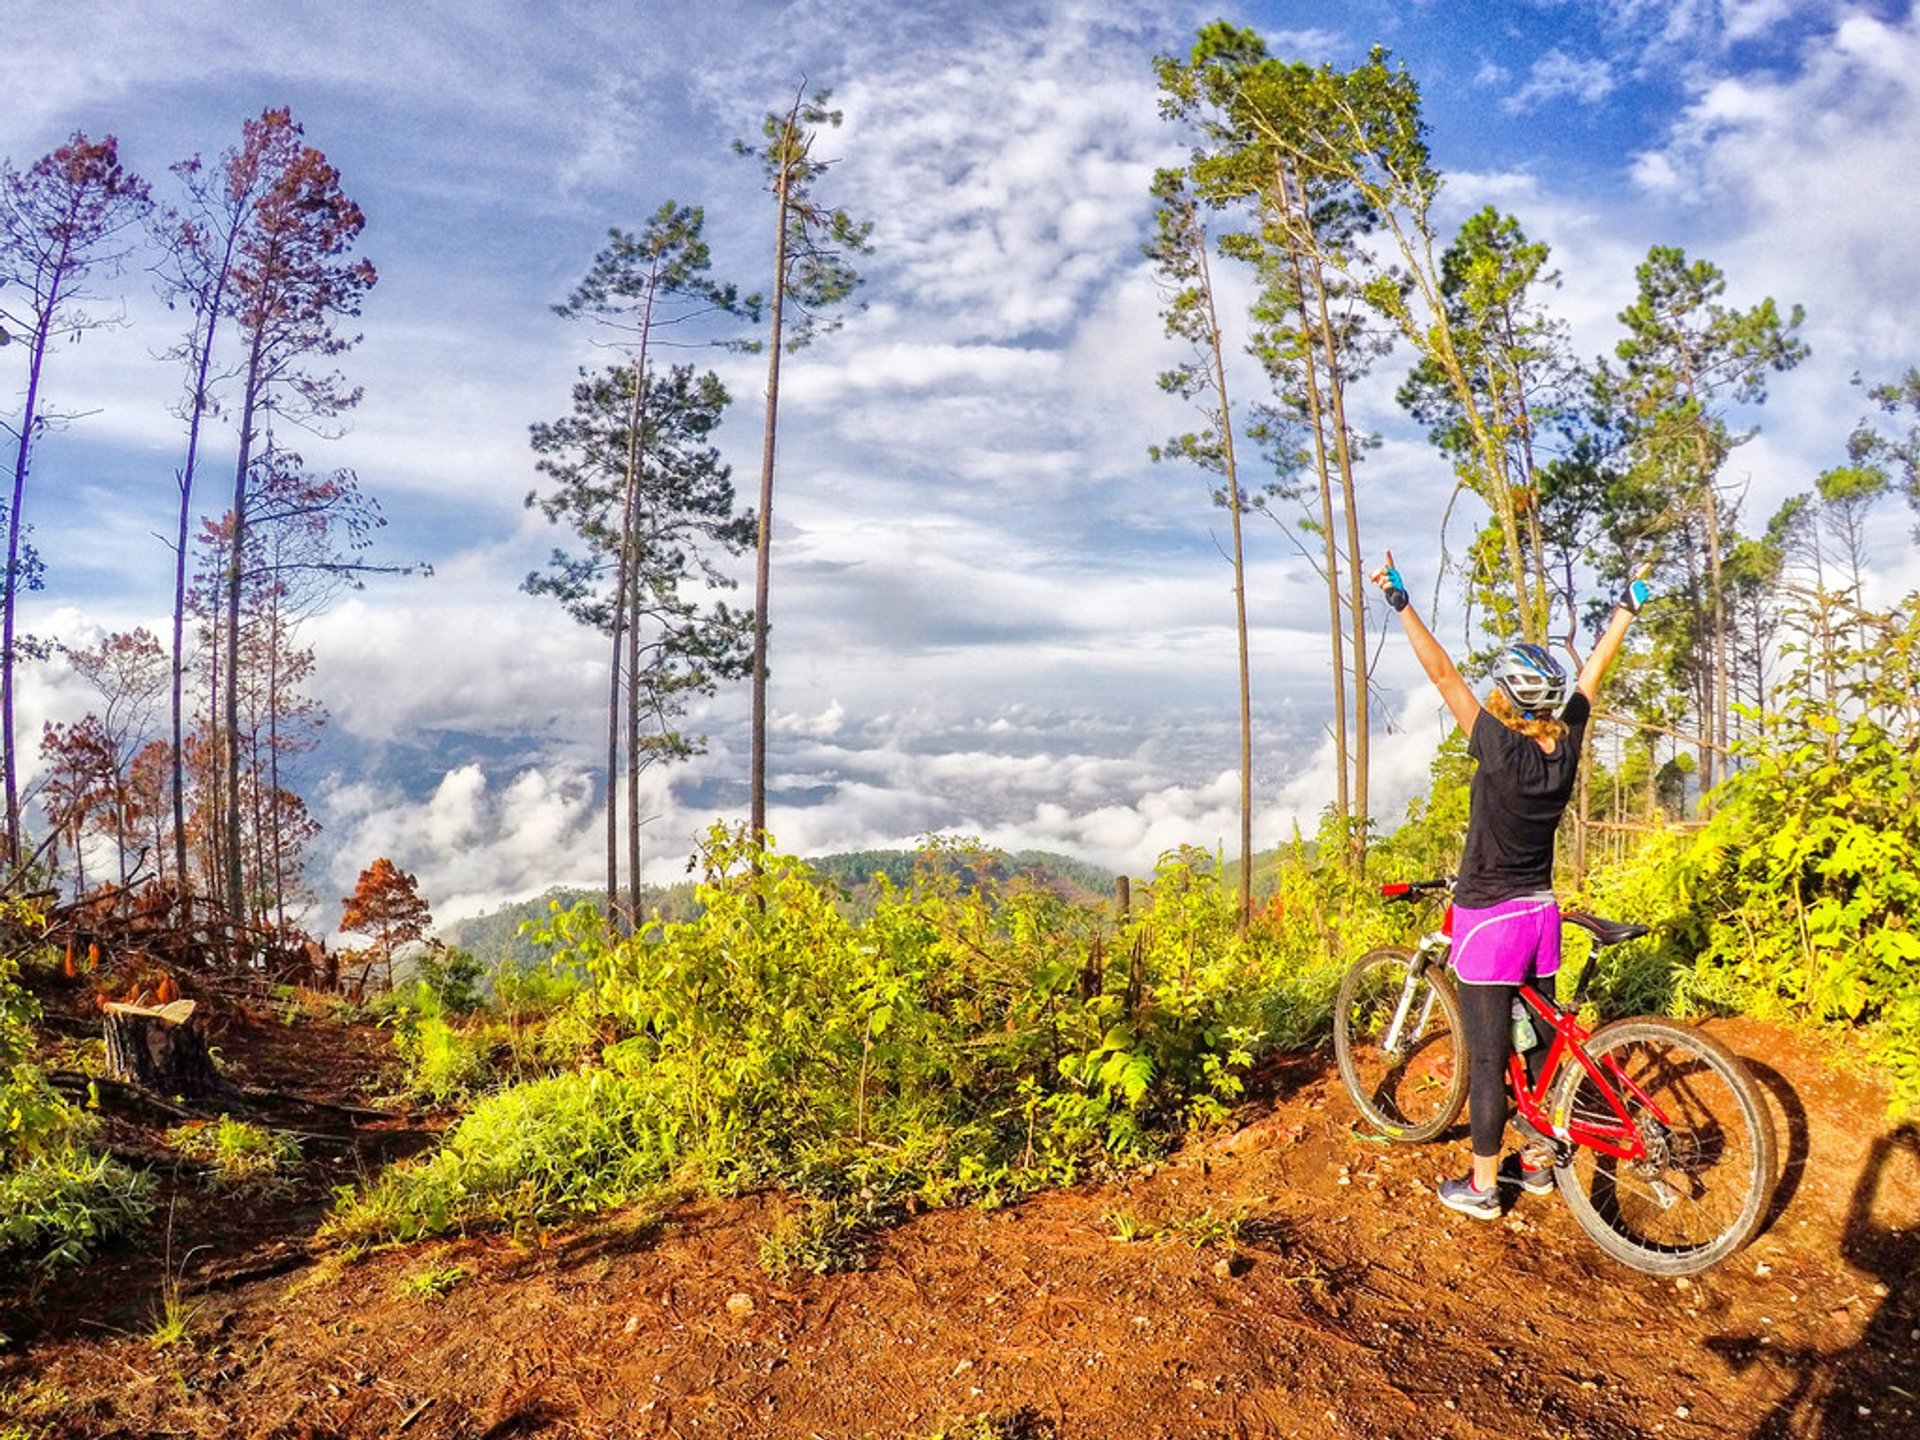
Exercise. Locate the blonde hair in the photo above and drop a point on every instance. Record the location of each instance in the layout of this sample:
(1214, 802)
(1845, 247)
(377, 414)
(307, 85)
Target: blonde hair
(1501, 708)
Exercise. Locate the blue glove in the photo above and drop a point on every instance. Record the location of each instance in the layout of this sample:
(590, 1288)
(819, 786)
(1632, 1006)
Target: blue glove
(1636, 593)
(1396, 590)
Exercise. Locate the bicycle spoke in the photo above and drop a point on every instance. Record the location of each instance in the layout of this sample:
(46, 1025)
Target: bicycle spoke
(1696, 1190)
(1399, 1048)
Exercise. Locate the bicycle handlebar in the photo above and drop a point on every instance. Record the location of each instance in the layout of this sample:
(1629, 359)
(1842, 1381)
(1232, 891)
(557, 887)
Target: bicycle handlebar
(1406, 889)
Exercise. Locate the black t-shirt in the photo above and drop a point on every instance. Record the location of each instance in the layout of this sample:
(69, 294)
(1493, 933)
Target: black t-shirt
(1519, 794)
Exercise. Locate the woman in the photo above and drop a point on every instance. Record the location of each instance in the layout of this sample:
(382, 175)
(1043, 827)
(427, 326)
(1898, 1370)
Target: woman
(1506, 923)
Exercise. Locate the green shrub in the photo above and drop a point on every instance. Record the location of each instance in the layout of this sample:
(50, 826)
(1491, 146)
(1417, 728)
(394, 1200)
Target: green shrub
(454, 977)
(443, 1063)
(571, 1144)
(243, 1156)
(967, 1038)
(817, 1237)
(59, 1205)
(58, 1201)
(1799, 900)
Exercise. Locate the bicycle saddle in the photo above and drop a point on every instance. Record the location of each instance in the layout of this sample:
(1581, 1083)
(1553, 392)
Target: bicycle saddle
(1606, 932)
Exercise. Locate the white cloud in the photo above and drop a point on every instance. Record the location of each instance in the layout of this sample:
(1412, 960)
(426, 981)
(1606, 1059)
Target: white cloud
(471, 845)
(991, 614)
(1558, 75)
(1789, 163)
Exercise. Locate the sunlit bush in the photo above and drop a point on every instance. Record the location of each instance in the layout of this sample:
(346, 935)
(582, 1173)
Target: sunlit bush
(965, 1039)
(58, 1200)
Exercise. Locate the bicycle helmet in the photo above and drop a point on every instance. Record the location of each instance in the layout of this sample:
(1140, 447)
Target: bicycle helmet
(1532, 679)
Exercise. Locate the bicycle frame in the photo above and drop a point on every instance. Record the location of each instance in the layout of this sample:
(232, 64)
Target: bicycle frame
(1622, 1140)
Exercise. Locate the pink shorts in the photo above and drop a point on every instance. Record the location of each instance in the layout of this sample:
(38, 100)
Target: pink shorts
(1508, 943)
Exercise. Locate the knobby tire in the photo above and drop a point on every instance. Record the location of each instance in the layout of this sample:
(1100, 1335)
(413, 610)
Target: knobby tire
(1704, 1189)
(1418, 1094)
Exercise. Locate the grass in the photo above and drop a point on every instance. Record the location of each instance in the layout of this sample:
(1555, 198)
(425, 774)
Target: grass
(31, 1408)
(173, 1316)
(433, 1282)
(243, 1156)
(1203, 1231)
(818, 1237)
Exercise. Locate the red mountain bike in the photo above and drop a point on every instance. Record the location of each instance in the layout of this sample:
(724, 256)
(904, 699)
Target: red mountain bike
(1662, 1144)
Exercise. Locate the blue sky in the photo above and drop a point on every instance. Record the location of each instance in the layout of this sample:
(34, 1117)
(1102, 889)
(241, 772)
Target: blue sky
(992, 614)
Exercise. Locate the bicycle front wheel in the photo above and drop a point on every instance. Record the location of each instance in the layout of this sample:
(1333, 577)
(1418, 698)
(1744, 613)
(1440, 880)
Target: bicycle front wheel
(1702, 1187)
(1399, 1045)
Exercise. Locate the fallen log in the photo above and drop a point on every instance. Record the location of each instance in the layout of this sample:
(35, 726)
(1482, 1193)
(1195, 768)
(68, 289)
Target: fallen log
(86, 1087)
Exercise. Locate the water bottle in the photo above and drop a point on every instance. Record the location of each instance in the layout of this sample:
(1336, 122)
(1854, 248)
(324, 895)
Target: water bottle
(1524, 1038)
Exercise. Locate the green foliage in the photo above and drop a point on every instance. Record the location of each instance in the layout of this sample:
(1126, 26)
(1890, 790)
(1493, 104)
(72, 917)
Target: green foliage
(565, 1145)
(1800, 900)
(244, 1156)
(58, 1201)
(59, 1205)
(443, 1063)
(817, 1237)
(967, 1039)
(454, 976)
(433, 1282)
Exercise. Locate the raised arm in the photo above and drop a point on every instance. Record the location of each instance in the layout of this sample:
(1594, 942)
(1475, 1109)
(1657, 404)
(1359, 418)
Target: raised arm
(1460, 698)
(1608, 646)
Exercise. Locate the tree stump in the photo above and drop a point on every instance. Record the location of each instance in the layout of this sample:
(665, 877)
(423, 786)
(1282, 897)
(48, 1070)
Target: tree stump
(160, 1048)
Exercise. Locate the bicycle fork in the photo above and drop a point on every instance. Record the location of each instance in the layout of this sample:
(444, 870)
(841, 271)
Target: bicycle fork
(1396, 1029)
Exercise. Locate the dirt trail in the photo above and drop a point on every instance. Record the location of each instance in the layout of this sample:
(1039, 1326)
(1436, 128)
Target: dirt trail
(1357, 1308)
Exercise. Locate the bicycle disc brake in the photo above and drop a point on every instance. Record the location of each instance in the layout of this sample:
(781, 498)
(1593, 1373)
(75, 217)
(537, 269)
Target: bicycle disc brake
(1659, 1159)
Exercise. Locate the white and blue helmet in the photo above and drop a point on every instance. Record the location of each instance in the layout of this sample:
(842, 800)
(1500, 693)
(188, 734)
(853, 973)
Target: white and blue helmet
(1532, 679)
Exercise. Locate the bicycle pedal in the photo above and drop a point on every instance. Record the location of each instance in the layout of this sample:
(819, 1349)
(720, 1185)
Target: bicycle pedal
(1551, 1148)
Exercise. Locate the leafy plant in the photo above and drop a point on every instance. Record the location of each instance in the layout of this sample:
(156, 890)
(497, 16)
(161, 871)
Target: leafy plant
(58, 1200)
(433, 1282)
(968, 1037)
(566, 1145)
(454, 976)
(819, 1237)
(244, 1156)
(443, 1063)
(1799, 900)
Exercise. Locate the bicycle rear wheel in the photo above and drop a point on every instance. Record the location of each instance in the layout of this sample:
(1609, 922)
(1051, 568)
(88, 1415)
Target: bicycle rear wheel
(1413, 1090)
(1703, 1187)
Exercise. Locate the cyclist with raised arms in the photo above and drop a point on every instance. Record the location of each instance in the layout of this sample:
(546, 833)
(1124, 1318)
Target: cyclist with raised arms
(1506, 923)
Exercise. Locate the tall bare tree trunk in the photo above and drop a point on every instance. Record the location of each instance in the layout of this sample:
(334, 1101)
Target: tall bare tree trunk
(1356, 596)
(633, 747)
(202, 369)
(763, 551)
(1239, 593)
(10, 578)
(235, 586)
(1318, 422)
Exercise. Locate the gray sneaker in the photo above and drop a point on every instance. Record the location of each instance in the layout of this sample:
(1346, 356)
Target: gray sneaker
(1460, 1195)
(1534, 1179)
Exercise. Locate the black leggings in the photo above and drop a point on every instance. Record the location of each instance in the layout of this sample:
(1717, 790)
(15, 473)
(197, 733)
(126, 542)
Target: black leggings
(1486, 1014)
